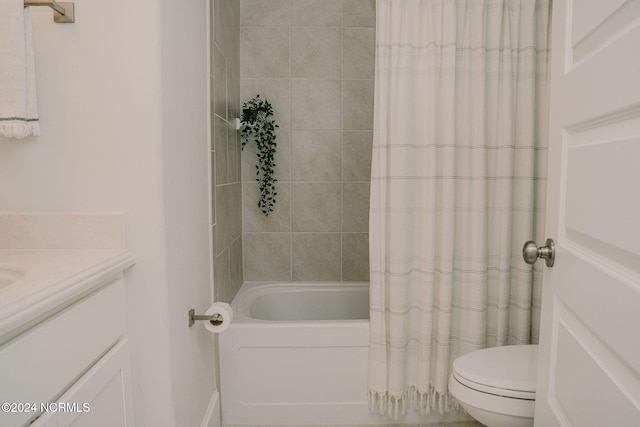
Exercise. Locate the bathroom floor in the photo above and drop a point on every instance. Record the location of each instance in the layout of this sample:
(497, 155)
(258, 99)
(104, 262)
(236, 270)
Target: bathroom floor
(456, 424)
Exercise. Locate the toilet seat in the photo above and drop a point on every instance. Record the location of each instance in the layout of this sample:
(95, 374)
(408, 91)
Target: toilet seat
(497, 386)
(508, 371)
(514, 394)
(478, 404)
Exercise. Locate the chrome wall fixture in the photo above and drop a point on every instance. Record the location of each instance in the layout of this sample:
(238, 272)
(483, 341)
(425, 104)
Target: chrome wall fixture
(63, 12)
(215, 319)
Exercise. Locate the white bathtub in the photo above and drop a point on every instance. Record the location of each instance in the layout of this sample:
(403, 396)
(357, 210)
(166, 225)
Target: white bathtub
(296, 354)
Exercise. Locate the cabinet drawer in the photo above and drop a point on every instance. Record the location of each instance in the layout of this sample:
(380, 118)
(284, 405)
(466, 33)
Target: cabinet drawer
(102, 396)
(39, 365)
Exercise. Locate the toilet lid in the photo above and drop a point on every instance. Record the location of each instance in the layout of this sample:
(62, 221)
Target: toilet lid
(500, 370)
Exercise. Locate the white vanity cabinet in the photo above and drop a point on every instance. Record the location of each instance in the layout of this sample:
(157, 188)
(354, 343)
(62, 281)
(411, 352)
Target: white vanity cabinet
(72, 368)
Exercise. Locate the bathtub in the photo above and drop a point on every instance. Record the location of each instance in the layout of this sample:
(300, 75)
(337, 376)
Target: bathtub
(296, 354)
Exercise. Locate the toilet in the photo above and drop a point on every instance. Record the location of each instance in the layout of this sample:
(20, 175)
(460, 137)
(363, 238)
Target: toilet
(497, 386)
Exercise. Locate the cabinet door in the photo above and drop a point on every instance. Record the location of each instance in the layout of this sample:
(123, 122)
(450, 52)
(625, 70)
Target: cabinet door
(100, 398)
(40, 364)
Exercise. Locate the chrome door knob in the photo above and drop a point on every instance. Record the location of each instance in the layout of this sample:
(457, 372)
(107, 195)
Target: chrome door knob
(531, 252)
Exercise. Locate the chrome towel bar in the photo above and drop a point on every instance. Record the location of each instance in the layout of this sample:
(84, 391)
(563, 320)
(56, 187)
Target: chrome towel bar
(63, 12)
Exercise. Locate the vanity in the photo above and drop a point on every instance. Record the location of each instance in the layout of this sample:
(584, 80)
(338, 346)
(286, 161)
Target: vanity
(64, 352)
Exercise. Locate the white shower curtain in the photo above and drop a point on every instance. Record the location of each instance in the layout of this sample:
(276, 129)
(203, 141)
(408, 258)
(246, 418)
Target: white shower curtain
(457, 187)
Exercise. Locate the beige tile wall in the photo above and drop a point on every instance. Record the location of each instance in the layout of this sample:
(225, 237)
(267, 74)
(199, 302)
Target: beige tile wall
(314, 61)
(226, 200)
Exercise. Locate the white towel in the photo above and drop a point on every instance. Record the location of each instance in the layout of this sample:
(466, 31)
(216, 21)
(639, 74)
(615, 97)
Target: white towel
(18, 107)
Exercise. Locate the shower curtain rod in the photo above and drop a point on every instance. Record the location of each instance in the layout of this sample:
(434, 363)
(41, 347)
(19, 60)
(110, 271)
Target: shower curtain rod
(63, 12)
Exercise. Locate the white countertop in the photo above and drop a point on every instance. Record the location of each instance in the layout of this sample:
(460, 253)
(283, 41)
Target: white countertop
(52, 279)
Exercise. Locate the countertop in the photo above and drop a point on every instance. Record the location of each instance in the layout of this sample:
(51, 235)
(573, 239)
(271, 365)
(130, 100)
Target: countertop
(52, 280)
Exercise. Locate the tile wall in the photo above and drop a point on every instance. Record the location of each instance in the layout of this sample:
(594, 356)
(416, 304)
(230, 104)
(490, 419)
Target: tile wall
(314, 61)
(226, 198)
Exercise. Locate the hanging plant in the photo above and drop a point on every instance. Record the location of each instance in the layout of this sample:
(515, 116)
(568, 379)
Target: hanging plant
(258, 125)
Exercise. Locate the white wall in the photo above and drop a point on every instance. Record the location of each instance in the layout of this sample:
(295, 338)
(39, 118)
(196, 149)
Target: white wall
(186, 201)
(123, 121)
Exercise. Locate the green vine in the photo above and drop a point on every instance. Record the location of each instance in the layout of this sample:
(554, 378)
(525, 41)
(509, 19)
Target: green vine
(259, 126)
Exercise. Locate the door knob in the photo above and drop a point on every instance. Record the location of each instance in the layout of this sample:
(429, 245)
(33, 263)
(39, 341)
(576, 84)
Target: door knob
(531, 252)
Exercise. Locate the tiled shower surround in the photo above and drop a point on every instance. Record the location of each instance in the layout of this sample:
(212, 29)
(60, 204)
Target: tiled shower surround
(314, 61)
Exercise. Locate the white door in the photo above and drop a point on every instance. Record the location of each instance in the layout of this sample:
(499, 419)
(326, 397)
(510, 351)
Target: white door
(589, 368)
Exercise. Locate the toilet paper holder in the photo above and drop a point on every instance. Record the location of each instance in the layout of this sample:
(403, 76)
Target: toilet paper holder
(215, 319)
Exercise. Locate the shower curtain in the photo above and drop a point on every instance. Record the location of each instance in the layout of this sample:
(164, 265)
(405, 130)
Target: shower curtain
(458, 185)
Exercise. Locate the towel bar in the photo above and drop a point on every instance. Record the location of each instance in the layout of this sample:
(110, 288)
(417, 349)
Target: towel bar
(63, 12)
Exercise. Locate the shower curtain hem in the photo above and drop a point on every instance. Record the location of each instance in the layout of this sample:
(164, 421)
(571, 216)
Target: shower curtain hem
(424, 402)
